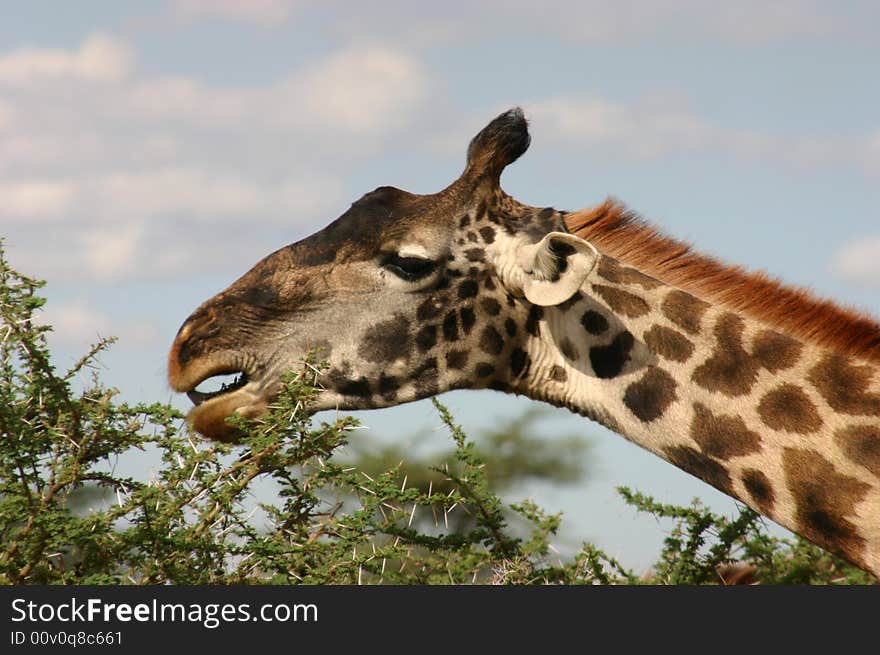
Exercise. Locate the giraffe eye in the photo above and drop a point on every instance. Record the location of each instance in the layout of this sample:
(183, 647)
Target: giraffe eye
(409, 268)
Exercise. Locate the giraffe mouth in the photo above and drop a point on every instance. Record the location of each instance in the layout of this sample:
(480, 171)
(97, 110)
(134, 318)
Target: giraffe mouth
(198, 397)
(239, 392)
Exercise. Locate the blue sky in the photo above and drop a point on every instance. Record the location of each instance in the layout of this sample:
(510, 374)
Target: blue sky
(150, 153)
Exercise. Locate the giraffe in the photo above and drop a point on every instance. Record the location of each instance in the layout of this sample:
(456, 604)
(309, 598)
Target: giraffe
(412, 295)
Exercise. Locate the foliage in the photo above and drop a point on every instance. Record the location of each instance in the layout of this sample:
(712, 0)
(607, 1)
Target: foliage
(66, 516)
(705, 548)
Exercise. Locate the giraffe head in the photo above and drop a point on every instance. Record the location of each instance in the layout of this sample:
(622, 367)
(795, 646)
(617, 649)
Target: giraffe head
(406, 296)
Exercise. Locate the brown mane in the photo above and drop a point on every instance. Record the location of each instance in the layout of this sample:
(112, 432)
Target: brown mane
(794, 311)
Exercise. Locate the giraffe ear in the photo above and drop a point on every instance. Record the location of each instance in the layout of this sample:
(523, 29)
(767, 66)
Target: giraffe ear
(556, 267)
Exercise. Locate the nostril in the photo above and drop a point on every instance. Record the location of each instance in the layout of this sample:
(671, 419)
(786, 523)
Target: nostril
(185, 348)
(199, 322)
(189, 342)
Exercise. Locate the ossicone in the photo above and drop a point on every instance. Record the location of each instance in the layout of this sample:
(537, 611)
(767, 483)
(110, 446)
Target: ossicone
(498, 144)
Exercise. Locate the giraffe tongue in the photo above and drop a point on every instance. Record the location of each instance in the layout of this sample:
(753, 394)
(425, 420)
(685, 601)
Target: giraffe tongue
(198, 397)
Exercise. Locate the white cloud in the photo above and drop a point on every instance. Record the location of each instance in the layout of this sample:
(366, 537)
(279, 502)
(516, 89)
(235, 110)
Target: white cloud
(583, 21)
(872, 153)
(5, 115)
(101, 58)
(161, 146)
(80, 324)
(359, 89)
(859, 262)
(183, 99)
(663, 124)
(588, 120)
(201, 194)
(262, 12)
(167, 194)
(366, 89)
(362, 90)
(28, 150)
(134, 177)
(176, 191)
(648, 129)
(112, 253)
(747, 22)
(36, 199)
(75, 322)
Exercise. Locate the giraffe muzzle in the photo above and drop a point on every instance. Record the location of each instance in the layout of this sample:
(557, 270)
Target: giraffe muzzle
(219, 384)
(211, 410)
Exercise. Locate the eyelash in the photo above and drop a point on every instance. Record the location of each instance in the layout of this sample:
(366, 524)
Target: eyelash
(410, 269)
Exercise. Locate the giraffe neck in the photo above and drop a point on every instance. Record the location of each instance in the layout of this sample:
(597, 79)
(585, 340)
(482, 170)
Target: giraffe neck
(788, 428)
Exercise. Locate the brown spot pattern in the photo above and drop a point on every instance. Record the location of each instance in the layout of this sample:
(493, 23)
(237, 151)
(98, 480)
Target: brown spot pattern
(387, 341)
(519, 363)
(685, 310)
(491, 341)
(450, 327)
(429, 309)
(468, 319)
(608, 361)
(611, 270)
(484, 370)
(558, 374)
(622, 302)
(696, 463)
(788, 408)
(467, 289)
(861, 443)
(490, 306)
(668, 343)
(594, 322)
(760, 489)
(774, 351)
(730, 370)
(722, 436)
(426, 337)
(844, 385)
(536, 313)
(388, 387)
(649, 397)
(475, 254)
(456, 359)
(824, 498)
